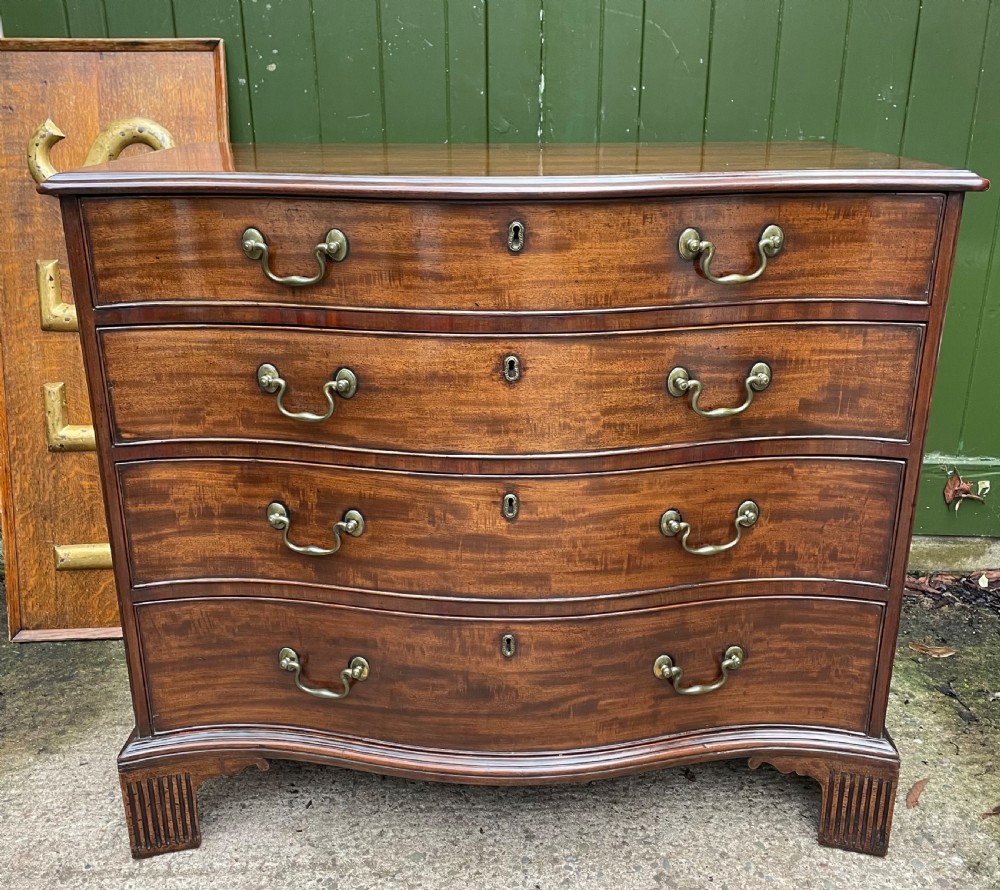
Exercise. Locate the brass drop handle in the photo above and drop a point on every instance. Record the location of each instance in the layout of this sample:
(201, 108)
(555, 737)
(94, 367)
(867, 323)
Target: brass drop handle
(343, 383)
(671, 524)
(690, 246)
(355, 672)
(680, 383)
(665, 669)
(334, 247)
(279, 518)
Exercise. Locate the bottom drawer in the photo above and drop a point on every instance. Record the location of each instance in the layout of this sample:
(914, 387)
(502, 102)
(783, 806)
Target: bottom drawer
(561, 683)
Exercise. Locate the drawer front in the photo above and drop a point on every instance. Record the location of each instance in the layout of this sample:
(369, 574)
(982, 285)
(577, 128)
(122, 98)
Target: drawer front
(569, 683)
(560, 394)
(576, 256)
(446, 535)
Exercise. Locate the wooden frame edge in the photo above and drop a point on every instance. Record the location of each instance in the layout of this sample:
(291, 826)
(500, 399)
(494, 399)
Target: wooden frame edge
(69, 634)
(8, 517)
(109, 44)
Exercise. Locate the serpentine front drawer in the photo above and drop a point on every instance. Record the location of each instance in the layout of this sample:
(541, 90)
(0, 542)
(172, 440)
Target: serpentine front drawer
(509, 537)
(485, 685)
(497, 395)
(567, 257)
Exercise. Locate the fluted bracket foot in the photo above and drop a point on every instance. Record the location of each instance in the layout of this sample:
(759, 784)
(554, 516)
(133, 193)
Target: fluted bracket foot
(858, 798)
(161, 800)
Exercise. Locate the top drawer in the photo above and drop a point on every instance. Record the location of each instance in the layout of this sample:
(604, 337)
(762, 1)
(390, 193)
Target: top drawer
(573, 257)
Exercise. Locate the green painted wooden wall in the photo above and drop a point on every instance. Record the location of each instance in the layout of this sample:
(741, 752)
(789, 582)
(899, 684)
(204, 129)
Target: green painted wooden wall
(920, 77)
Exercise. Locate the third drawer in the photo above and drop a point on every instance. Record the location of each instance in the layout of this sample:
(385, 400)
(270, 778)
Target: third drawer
(513, 395)
(510, 537)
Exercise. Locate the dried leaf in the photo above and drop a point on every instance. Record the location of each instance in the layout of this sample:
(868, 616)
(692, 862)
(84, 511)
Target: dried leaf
(951, 486)
(957, 490)
(994, 812)
(984, 582)
(983, 487)
(913, 795)
(933, 651)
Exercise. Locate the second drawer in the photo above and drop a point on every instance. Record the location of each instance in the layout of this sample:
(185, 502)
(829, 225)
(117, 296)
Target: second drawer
(510, 537)
(513, 395)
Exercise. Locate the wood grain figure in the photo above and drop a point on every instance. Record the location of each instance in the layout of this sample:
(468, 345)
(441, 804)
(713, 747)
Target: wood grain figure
(524, 485)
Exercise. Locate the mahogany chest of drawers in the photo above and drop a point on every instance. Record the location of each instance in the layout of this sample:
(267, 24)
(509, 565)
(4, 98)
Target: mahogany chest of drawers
(510, 465)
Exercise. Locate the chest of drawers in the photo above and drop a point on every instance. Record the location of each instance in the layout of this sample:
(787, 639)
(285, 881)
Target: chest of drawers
(510, 465)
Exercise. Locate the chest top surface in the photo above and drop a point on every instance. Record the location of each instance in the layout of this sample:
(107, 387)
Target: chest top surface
(511, 171)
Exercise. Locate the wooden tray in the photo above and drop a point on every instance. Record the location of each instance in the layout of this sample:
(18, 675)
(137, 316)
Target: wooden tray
(55, 541)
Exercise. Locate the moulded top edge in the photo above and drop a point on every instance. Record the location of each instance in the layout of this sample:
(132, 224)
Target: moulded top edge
(509, 171)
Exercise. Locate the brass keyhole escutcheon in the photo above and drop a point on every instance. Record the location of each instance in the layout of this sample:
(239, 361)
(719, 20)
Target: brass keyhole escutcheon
(508, 645)
(512, 369)
(510, 506)
(515, 236)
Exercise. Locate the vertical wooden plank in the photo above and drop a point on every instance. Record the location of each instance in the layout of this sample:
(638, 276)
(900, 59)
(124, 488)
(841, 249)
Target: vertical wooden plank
(34, 18)
(675, 59)
(621, 71)
(980, 433)
(281, 66)
(151, 18)
(571, 66)
(977, 269)
(514, 41)
(466, 31)
(877, 60)
(414, 70)
(195, 18)
(943, 84)
(810, 58)
(349, 71)
(85, 18)
(946, 67)
(741, 75)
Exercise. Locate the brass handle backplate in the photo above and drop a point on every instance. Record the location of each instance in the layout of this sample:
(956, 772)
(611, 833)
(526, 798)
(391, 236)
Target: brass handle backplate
(671, 524)
(681, 383)
(279, 518)
(665, 669)
(691, 247)
(343, 383)
(334, 246)
(355, 672)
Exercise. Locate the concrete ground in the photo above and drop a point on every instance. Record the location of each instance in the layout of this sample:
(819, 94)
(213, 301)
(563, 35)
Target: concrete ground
(64, 712)
(930, 553)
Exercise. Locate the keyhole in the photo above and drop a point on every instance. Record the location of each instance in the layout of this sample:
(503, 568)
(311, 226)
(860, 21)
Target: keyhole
(509, 507)
(515, 236)
(511, 369)
(508, 646)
